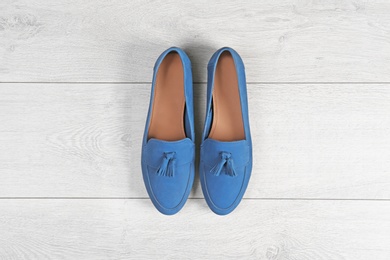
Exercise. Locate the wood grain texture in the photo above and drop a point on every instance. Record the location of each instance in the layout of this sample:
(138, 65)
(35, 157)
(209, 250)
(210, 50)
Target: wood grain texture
(310, 141)
(70, 131)
(119, 41)
(133, 229)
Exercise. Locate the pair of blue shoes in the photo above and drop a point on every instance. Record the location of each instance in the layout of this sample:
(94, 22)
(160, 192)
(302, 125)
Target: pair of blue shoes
(168, 148)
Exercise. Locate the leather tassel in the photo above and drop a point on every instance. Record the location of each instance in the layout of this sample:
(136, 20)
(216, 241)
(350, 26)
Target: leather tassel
(230, 168)
(226, 161)
(167, 167)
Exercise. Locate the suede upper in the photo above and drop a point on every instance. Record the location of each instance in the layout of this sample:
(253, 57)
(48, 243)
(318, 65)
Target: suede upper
(225, 167)
(168, 166)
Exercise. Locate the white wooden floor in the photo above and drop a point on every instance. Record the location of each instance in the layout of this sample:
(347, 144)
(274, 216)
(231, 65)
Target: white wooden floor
(74, 90)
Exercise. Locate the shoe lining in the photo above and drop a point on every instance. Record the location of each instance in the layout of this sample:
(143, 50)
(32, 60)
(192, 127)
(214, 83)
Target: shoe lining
(227, 122)
(167, 120)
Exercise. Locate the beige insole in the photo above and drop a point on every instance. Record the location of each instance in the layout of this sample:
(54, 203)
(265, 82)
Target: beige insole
(227, 117)
(167, 119)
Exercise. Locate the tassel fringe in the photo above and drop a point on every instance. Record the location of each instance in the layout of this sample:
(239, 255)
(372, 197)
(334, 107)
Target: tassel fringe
(226, 161)
(167, 167)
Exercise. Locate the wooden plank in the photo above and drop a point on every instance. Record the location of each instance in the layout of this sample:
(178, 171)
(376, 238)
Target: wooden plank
(132, 229)
(119, 41)
(83, 140)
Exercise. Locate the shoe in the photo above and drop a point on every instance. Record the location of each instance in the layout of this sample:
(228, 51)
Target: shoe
(226, 148)
(168, 149)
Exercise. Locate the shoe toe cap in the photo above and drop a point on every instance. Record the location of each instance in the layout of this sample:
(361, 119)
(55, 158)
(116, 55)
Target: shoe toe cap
(225, 171)
(169, 194)
(223, 192)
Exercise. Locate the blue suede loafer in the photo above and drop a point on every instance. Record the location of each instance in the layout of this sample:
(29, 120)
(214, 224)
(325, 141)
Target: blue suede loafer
(168, 149)
(226, 149)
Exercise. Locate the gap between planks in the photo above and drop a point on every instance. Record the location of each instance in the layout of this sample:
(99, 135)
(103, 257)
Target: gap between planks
(146, 198)
(249, 83)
